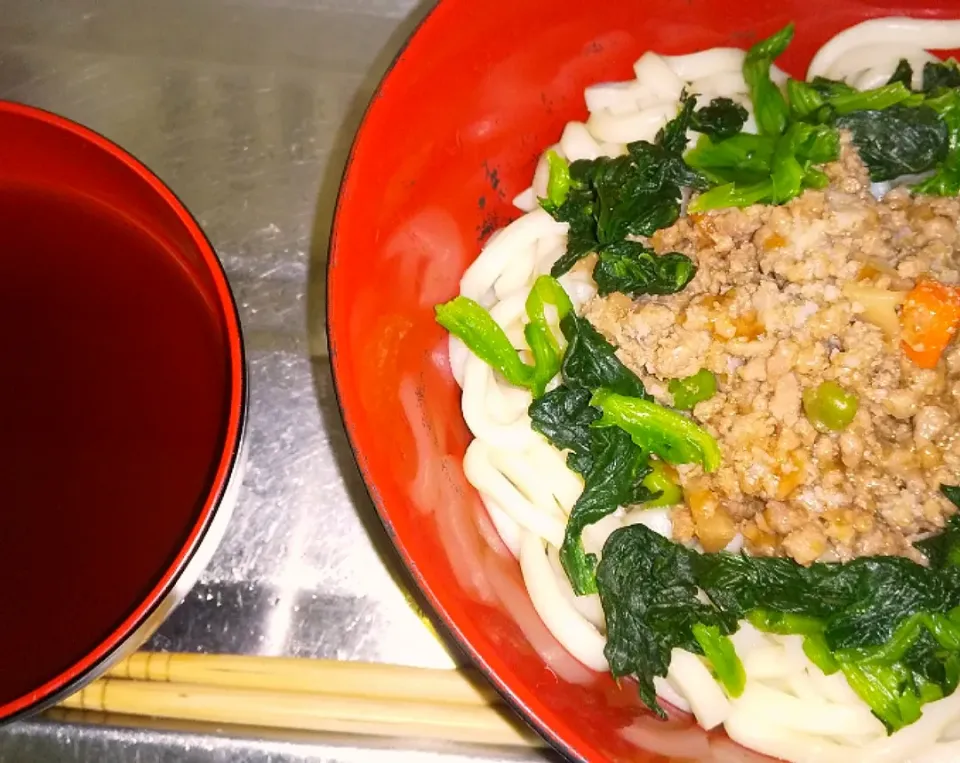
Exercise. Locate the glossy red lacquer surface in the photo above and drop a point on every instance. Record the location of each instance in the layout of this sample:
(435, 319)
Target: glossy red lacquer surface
(449, 139)
(121, 399)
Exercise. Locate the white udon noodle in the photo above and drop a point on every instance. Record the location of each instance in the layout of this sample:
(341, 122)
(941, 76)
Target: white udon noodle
(789, 708)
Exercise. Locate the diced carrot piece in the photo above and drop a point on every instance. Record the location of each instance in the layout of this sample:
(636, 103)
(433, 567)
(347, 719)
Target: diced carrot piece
(929, 320)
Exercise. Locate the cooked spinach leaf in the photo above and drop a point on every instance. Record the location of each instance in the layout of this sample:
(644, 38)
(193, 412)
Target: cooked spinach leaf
(579, 211)
(612, 465)
(720, 119)
(591, 361)
(615, 477)
(946, 180)
(891, 625)
(672, 137)
(902, 74)
(631, 268)
(937, 548)
(830, 88)
(648, 589)
(945, 74)
(611, 199)
(564, 415)
(897, 141)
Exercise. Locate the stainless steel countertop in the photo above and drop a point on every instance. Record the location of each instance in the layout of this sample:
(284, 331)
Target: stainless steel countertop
(247, 108)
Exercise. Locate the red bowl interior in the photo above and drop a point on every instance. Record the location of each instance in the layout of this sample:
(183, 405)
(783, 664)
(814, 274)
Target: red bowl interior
(449, 139)
(122, 402)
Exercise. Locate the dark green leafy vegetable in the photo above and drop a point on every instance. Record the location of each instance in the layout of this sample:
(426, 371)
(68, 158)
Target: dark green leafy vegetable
(902, 74)
(830, 88)
(669, 435)
(720, 654)
(610, 199)
(898, 141)
(634, 269)
(630, 201)
(612, 465)
(938, 548)
(612, 459)
(694, 389)
(648, 589)
(721, 118)
(891, 625)
(564, 415)
(616, 469)
(919, 664)
(672, 137)
(946, 180)
(769, 106)
(945, 74)
(579, 211)
(591, 362)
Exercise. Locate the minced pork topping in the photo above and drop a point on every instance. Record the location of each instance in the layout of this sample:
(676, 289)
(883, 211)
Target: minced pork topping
(786, 298)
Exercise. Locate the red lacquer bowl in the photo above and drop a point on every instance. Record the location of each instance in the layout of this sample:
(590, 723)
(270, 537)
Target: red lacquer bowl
(122, 405)
(449, 139)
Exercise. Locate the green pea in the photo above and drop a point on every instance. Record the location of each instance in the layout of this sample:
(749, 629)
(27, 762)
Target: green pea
(830, 406)
(693, 389)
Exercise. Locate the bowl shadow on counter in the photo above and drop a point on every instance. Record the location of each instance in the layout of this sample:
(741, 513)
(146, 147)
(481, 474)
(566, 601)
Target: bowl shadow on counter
(316, 330)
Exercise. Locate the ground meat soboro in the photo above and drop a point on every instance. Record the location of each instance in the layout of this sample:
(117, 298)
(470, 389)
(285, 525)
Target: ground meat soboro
(786, 298)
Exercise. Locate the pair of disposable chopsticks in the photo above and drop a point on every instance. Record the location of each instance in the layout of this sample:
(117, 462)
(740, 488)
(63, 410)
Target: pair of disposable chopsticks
(306, 695)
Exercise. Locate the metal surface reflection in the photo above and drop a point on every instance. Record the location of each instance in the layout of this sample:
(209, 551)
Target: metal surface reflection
(246, 108)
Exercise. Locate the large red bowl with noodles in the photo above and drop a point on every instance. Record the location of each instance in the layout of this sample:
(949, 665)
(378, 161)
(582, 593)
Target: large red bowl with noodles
(450, 138)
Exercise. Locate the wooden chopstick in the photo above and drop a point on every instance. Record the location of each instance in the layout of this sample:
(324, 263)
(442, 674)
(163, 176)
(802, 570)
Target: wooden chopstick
(358, 679)
(306, 695)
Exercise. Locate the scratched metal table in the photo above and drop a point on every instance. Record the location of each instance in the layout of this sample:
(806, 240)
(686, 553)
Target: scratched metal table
(246, 108)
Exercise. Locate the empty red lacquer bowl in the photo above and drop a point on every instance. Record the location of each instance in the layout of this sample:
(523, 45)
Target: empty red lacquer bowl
(449, 139)
(122, 404)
